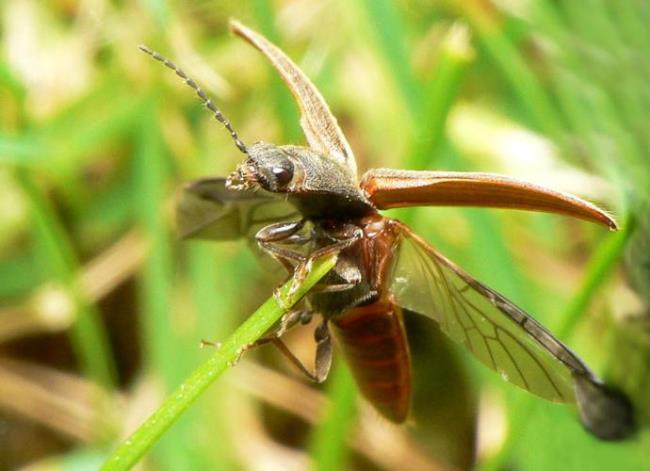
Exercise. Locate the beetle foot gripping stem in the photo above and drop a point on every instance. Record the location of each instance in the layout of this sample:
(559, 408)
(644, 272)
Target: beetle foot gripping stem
(282, 299)
(208, 343)
(299, 276)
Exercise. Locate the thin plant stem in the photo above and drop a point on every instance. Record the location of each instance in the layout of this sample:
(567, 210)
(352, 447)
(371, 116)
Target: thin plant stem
(440, 94)
(87, 334)
(603, 261)
(516, 71)
(328, 442)
(388, 28)
(134, 447)
(285, 108)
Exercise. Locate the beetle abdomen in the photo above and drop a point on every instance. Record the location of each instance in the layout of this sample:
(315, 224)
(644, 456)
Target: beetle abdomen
(374, 341)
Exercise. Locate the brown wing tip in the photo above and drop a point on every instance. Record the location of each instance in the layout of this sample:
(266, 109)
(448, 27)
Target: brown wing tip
(236, 26)
(240, 29)
(603, 217)
(611, 223)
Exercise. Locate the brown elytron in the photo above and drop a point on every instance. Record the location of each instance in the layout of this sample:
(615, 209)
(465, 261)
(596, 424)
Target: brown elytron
(300, 203)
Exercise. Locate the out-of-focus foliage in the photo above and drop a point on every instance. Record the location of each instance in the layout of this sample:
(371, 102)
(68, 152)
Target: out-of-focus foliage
(102, 309)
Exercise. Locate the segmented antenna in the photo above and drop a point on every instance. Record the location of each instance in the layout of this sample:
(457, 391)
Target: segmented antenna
(201, 94)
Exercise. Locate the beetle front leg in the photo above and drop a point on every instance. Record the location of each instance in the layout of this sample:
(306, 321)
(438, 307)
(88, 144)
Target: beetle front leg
(271, 237)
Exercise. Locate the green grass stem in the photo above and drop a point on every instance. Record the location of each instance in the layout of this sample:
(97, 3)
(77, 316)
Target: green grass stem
(284, 104)
(440, 94)
(155, 283)
(516, 71)
(388, 28)
(601, 264)
(87, 334)
(329, 439)
(132, 449)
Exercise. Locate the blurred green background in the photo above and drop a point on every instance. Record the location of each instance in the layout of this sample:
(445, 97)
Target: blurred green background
(102, 309)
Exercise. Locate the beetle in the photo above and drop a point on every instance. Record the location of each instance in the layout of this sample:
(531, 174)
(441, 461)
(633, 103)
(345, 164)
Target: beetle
(301, 203)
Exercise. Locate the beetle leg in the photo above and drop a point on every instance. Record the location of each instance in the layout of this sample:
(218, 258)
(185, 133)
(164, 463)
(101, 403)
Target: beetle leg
(287, 321)
(292, 318)
(337, 288)
(280, 231)
(323, 358)
(271, 237)
(298, 239)
(353, 235)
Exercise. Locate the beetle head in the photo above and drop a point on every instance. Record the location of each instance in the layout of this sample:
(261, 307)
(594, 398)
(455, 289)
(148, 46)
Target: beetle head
(268, 166)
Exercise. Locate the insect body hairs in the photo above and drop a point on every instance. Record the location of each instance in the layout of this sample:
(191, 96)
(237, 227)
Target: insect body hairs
(209, 104)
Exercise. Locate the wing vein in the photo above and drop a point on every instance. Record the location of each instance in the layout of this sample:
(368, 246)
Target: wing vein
(495, 330)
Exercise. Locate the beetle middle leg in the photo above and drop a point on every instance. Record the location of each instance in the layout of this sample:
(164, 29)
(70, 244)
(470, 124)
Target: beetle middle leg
(344, 238)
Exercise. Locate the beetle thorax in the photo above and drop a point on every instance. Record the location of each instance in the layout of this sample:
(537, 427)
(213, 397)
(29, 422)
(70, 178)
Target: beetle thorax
(318, 186)
(324, 189)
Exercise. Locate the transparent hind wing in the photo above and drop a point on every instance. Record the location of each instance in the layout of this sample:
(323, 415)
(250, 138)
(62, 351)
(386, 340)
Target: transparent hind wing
(206, 209)
(496, 331)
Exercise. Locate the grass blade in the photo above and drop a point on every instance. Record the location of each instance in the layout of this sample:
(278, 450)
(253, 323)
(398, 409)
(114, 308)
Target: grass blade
(604, 259)
(388, 29)
(328, 443)
(285, 107)
(87, 335)
(440, 94)
(514, 68)
(131, 450)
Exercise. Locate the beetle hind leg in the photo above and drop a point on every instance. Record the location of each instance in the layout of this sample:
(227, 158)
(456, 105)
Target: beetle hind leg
(323, 356)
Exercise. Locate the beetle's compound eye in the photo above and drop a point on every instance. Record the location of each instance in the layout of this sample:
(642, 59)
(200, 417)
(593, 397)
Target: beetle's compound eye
(283, 173)
(272, 167)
